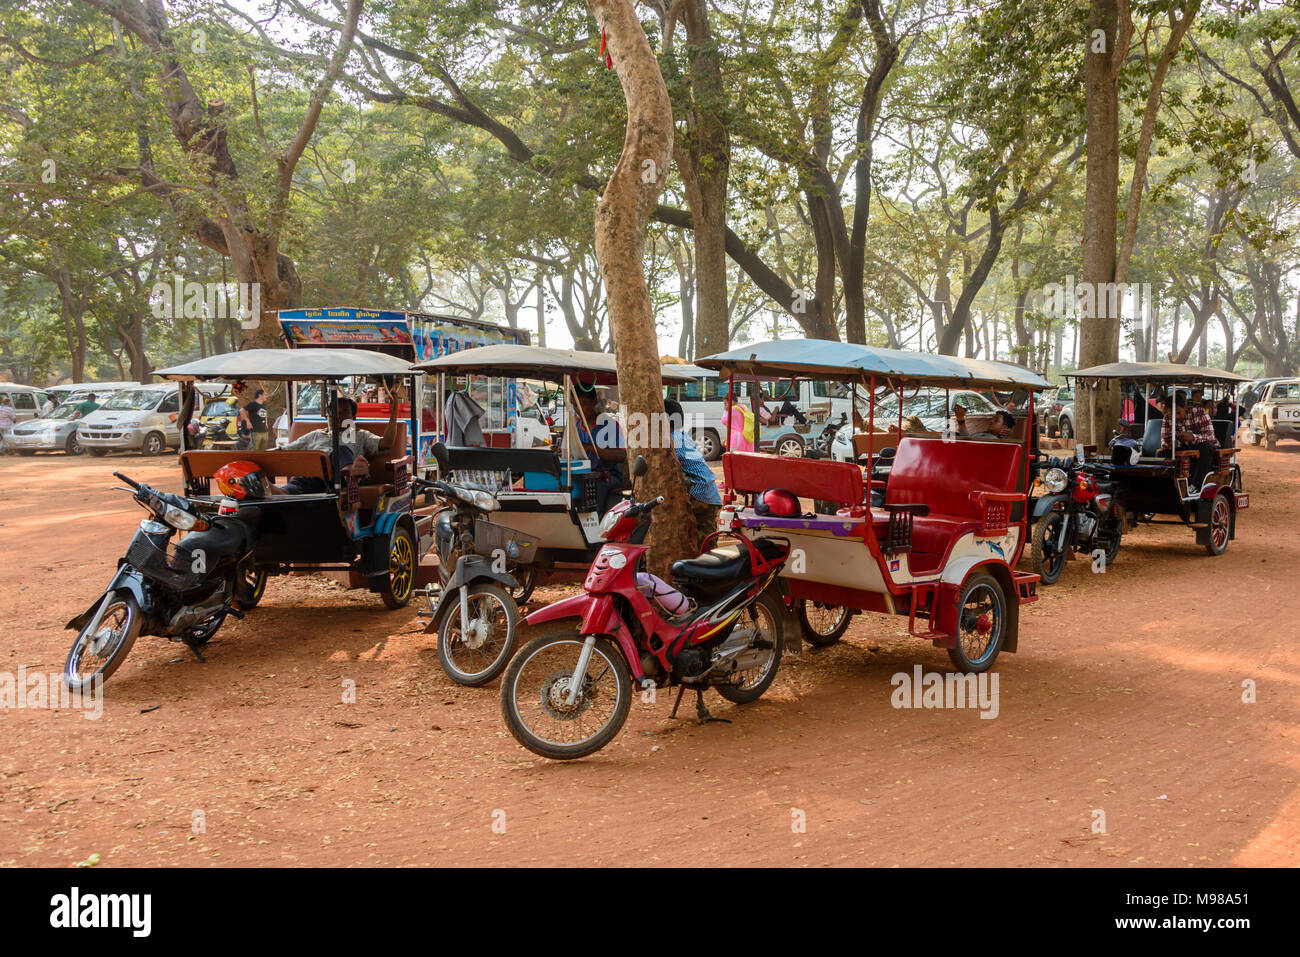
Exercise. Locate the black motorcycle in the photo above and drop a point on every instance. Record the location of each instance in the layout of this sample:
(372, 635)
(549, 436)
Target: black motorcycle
(1079, 513)
(180, 590)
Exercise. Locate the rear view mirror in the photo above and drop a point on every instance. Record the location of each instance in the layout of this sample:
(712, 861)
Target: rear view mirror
(640, 467)
(443, 459)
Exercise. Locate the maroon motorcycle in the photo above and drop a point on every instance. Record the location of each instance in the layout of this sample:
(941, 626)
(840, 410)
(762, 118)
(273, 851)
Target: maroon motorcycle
(567, 695)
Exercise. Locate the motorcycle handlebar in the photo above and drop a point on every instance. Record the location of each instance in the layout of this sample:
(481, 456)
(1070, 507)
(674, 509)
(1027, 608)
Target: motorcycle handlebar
(129, 481)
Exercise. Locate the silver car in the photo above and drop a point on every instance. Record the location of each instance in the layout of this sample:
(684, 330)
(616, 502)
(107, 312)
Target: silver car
(57, 432)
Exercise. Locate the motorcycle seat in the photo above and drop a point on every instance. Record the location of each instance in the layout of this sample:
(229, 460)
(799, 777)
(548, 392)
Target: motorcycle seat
(719, 564)
(218, 541)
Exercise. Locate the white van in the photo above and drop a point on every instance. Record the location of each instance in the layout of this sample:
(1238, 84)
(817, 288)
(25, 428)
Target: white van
(80, 391)
(143, 418)
(702, 404)
(26, 400)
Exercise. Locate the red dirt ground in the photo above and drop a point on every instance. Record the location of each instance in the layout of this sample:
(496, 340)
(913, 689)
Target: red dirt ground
(1125, 698)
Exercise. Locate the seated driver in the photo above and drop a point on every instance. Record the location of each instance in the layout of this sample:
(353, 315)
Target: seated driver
(354, 445)
(1001, 426)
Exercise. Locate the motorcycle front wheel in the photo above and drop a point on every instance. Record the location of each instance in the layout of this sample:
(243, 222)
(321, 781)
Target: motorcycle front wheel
(1049, 560)
(535, 693)
(476, 657)
(102, 653)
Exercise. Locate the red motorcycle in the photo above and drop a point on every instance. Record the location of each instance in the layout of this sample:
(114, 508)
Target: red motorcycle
(719, 628)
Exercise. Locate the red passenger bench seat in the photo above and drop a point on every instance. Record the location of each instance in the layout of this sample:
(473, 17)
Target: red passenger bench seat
(949, 488)
(749, 473)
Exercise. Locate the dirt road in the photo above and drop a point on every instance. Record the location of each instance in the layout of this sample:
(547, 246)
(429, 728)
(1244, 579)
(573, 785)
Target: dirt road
(1124, 708)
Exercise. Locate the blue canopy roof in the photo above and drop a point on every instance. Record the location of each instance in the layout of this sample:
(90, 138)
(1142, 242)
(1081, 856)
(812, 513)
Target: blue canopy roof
(823, 359)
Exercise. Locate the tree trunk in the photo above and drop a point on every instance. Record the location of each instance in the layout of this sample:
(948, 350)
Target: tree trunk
(704, 160)
(1105, 47)
(621, 219)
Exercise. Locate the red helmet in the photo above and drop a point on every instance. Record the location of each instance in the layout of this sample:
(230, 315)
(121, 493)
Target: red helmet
(778, 503)
(242, 480)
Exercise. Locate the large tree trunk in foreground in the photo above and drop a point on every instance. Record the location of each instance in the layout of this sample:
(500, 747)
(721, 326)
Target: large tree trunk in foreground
(1104, 48)
(621, 219)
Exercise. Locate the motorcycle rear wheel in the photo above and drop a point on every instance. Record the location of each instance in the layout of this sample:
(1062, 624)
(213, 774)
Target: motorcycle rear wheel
(766, 615)
(122, 619)
(534, 696)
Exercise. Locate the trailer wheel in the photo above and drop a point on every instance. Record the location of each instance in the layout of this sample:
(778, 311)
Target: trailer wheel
(981, 624)
(398, 583)
(1220, 525)
(791, 447)
(823, 625)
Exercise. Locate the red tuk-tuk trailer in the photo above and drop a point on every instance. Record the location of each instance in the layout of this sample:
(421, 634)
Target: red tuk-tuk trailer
(932, 529)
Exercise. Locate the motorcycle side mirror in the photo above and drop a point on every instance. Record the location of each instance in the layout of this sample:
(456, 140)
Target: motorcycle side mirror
(640, 467)
(442, 457)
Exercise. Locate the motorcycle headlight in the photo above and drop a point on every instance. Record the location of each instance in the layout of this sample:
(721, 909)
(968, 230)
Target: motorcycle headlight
(179, 518)
(484, 500)
(609, 521)
(1055, 480)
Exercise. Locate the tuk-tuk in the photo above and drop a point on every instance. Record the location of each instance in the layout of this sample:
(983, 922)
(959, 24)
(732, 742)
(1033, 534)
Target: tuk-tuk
(1154, 479)
(547, 496)
(364, 526)
(931, 529)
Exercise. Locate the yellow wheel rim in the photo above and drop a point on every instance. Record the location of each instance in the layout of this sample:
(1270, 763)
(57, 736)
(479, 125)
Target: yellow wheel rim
(400, 567)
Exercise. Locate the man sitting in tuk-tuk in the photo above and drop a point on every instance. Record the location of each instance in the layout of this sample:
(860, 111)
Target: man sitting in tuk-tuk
(354, 445)
(605, 445)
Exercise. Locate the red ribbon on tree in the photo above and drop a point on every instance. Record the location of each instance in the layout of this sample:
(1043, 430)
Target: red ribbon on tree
(604, 51)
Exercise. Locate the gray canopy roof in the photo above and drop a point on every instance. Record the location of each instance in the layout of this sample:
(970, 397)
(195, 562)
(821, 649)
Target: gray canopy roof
(1171, 372)
(824, 359)
(534, 362)
(289, 365)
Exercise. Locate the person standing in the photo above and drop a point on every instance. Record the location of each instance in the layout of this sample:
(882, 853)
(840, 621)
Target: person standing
(701, 483)
(87, 406)
(7, 418)
(253, 414)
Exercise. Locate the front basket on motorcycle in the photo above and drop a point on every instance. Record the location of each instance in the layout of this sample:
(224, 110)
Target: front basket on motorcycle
(173, 568)
(489, 538)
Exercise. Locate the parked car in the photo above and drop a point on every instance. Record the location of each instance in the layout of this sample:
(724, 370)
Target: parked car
(76, 392)
(142, 419)
(1056, 412)
(931, 406)
(26, 399)
(1277, 413)
(56, 432)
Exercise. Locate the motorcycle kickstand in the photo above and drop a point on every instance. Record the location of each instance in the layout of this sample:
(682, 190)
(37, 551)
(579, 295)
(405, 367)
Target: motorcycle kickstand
(702, 712)
(194, 648)
(681, 690)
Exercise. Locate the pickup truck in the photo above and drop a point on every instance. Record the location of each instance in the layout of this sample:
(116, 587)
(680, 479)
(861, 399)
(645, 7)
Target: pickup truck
(1277, 413)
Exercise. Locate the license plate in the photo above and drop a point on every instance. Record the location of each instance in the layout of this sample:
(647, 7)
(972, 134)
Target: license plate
(1243, 500)
(590, 525)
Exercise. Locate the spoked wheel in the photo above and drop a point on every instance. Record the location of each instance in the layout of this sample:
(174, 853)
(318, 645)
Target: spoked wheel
(981, 624)
(1116, 535)
(398, 584)
(765, 618)
(535, 699)
(526, 575)
(476, 655)
(250, 584)
(790, 448)
(102, 653)
(1220, 525)
(822, 624)
(1049, 559)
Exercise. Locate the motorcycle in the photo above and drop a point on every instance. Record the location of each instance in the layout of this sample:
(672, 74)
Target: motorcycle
(474, 615)
(567, 695)
(210, 435)
(182, 591)
(1078, 514)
